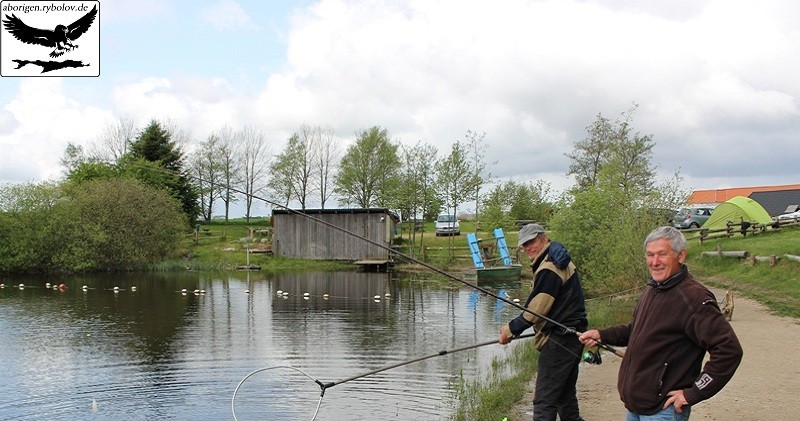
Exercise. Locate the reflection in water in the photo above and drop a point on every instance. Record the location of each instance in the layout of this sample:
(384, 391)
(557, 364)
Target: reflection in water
(158, 353)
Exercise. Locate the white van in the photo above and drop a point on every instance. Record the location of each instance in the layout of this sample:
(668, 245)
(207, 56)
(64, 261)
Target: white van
(447, 224)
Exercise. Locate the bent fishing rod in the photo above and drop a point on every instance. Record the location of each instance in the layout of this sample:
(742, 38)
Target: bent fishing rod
(566, 329)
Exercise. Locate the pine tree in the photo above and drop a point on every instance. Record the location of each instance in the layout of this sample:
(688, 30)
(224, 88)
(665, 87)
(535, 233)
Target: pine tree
(154, 145)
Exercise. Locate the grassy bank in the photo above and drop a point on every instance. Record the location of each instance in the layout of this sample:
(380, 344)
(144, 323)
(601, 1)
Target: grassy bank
(224, 246)
(775, 286)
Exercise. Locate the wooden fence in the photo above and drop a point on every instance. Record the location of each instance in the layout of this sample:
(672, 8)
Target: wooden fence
(732, 228)
(751, 259)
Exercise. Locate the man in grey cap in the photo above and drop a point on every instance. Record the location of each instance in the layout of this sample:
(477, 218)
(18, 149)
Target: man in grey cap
(557, 294)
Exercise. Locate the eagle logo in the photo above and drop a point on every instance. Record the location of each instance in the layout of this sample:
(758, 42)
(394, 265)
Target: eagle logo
(59, 38)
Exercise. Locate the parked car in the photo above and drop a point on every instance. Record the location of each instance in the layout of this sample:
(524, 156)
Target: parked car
(691, 217)
(792, 212)
(447, 224)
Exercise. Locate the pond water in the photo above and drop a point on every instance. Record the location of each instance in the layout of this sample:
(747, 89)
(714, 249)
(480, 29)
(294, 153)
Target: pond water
(149, 350)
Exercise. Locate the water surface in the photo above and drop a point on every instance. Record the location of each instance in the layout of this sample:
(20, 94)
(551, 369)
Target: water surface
(158, 352)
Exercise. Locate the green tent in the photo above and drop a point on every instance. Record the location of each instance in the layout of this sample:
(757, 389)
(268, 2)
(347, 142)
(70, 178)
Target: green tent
(737, 209)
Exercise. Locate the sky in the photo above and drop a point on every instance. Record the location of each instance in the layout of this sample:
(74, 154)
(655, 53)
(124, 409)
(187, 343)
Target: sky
(713, 81)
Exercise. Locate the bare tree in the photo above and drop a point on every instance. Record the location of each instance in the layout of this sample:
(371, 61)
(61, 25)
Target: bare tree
(254, 160)
(207, 168)
(115, 141)
(230, 167)
(326, 155)
(476, 149)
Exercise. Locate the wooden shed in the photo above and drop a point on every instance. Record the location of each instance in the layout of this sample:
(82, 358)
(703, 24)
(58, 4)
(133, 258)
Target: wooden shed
(304, 233)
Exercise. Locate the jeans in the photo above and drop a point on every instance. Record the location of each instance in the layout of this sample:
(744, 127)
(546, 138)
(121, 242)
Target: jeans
(668, 414)
(556, 376)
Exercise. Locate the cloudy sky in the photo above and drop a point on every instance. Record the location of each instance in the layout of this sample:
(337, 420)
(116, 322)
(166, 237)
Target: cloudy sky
(716, 82)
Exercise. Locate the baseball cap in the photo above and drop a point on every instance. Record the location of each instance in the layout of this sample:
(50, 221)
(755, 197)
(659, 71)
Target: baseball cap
(528, 233)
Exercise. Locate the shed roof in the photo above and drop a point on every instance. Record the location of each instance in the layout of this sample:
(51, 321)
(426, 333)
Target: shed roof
(776, 202)
(284, 211)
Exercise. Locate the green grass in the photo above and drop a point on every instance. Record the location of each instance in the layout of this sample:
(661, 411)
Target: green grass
(494, 398)
(222, 246)
(775, 286)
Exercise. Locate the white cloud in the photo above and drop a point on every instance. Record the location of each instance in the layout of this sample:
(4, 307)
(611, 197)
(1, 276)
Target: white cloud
(197, 105)
(45, 119)
(226, 15)
(533, 75)
(715, 81)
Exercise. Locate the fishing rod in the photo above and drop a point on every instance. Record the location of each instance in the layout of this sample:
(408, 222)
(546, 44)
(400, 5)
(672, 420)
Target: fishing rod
(325, 386)
(410, 258)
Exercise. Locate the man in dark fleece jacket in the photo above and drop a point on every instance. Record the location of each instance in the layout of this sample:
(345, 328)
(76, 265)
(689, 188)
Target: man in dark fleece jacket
(557, 295)
(675, 322)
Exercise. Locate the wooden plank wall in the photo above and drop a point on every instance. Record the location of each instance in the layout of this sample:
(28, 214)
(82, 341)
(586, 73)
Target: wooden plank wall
(299, 236)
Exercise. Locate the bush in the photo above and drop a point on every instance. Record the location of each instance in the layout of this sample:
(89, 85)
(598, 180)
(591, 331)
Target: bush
(117, 224)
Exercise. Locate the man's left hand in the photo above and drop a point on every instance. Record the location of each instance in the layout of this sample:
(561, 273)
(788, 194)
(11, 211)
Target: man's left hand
(676, 399)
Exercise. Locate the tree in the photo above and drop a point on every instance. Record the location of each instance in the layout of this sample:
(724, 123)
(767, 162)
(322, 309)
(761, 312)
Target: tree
(115, 141)
(154, 144)
(416, 193)
(29, 223)
(326, 155)
(254, 164)
(73, 157)
(456, 180)
(531, 202)
(279, 185)
(611, 147)
(368, 171)
(511, 201)
(606, 217)
(588, 154)
(230, 168)
(477, 152)
(123, 224)
(100, 224)
(207, 169)
(293, 166)
(495, 206)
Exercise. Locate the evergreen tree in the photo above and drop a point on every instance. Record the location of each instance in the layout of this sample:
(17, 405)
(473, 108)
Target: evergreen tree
(154, 144)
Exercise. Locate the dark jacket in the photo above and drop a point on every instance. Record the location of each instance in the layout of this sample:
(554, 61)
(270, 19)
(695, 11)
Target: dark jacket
(674, 324)
(556, 294)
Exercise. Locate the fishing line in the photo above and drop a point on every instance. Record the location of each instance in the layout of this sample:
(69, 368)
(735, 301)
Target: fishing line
(566, 329)
(325, 386)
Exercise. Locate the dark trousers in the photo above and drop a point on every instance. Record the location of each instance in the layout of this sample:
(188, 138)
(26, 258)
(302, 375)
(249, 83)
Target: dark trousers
(556, 377)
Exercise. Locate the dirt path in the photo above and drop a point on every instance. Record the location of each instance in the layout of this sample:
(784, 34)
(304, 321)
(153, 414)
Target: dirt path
(766, 385)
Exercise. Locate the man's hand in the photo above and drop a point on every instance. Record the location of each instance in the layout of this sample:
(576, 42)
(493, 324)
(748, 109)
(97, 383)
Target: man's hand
(676, 399)
(505, 335)
(590, 337)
